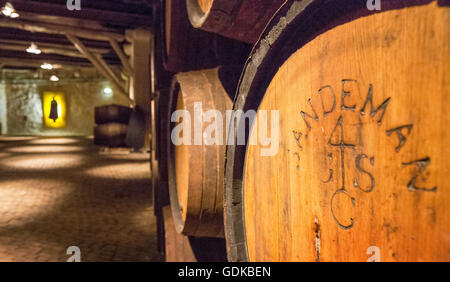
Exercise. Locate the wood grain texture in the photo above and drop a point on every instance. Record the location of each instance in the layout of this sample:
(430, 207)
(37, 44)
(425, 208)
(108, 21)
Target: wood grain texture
(196, 170)
(161, 189)
(177, 247)
(180, 248)
(205, 5)
(364, 148)
(236, 19)
(161, 192)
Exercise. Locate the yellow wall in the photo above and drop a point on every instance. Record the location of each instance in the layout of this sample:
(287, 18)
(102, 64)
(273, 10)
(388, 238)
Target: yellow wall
(60, 98)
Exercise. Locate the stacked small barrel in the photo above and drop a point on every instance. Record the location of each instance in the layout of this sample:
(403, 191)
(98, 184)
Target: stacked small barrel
(204, 68)
(112, 125)
(354, 102)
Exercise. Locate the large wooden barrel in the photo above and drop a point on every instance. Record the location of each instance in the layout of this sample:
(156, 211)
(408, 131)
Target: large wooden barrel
(196, 165)
(186, 48)
(359, 172)
(181, 248)
(110, 134)
(242, 20)
(112, 114)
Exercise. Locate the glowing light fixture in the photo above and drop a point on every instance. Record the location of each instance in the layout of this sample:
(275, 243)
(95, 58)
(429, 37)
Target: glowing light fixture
(34, 49)
(54, 78)
(107, 92)
(46, 66)
(9, 11)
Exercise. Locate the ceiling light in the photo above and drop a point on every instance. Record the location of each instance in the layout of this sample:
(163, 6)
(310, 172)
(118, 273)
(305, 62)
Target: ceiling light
(33, 49)
(9, 11)
(46, 66)
(54, 78)
(107, 92)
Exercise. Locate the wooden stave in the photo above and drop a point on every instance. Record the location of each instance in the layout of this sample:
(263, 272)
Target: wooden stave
(256, 77)
(112, 114)
(225, 17)
(207, 50)
(181, 248)
(213, 226)
(161, 193)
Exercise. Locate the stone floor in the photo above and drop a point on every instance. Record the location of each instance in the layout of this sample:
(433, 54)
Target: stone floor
(62, 192)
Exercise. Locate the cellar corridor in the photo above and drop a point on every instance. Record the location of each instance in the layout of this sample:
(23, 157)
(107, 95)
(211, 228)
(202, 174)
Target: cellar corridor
(62, 192)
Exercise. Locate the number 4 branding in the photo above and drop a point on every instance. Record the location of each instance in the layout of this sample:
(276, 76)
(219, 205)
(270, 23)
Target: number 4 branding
(340, 149)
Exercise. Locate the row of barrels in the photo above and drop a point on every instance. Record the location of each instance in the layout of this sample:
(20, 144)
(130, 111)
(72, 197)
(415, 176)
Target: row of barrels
(119, 126)
(111, 125)
(353, 103)
(187, 57)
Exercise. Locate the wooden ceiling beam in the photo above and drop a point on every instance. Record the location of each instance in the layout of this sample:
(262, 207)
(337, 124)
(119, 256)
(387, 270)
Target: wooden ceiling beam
(74, 22)
(49, 57)
(23, 35)
(36, 63)
(22, 45)
(99, 64)
(117, 17)
(123, 58)
(45, 50)
(60, 29)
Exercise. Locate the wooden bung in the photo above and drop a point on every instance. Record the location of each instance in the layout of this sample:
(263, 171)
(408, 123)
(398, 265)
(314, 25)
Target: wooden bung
(236, 19)
(196, 169)
(361, 169)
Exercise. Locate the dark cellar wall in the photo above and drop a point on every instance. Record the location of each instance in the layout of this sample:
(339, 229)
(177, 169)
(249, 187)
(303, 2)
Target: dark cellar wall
(24, 113)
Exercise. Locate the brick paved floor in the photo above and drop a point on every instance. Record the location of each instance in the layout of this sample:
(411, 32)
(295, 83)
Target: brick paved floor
(62, 192)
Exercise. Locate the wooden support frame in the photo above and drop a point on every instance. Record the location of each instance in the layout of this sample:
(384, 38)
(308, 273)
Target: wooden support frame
(99, 64)
(140, 82)
(123, 58)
